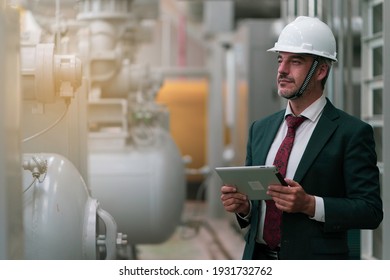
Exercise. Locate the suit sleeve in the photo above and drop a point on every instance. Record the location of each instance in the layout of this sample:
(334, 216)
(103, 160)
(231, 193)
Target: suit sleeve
(362, 205)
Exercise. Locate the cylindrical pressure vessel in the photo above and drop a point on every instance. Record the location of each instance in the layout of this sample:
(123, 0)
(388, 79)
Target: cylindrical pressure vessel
(60, 217)
(142, 187)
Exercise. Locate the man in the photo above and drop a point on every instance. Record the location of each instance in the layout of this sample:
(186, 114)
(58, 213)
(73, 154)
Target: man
(332, 176)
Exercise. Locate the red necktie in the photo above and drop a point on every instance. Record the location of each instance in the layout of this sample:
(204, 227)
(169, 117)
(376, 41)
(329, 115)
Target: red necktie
(273, 215)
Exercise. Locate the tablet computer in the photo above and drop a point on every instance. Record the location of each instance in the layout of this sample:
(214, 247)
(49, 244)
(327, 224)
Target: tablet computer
(251, 180)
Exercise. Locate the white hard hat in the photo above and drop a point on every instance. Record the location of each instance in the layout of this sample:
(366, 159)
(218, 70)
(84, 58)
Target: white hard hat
(307, 35)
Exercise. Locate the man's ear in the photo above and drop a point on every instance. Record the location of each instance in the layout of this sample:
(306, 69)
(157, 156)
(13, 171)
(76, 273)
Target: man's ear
(323, 70)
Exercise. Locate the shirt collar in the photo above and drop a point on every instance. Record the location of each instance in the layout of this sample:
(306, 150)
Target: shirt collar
(312, 112)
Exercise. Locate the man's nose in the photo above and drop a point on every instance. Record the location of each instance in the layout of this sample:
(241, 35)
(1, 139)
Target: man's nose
(283, 68)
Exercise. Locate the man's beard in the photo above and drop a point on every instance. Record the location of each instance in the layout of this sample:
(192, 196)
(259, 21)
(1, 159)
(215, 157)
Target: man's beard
(285, 92)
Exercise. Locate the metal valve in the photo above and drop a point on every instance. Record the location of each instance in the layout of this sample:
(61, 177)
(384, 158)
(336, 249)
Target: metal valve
(36, 165)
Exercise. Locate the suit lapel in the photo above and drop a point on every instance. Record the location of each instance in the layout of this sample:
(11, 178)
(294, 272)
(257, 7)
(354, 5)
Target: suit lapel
(269, 134)
(323, 131)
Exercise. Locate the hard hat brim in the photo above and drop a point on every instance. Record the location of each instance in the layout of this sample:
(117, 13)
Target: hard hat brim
(302, 50)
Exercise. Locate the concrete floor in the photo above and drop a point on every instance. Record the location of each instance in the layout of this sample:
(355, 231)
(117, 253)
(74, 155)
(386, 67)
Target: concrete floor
(198, 237)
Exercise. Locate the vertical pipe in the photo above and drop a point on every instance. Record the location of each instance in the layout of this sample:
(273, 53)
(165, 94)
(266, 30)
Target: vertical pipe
(366, 248)
(386, 133)
(284, 8)
(232, 102)
(320, 11)
(302, 8)
(311, 10)
(349, 59)
(218, 19)
(341, 51)
(11, 211)
(330, 20)
(231, 82)
(215, 129)
(58, 29)
(166, 41)
(182, 44)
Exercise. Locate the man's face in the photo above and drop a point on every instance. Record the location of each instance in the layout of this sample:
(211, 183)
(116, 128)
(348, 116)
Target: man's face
(292, 71)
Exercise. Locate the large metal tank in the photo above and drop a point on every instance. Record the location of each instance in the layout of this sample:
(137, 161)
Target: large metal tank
(61, 220)
(143, 187)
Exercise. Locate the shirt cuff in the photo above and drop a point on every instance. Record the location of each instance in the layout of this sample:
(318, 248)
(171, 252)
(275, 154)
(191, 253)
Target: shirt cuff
(247, 217)
(319, 213)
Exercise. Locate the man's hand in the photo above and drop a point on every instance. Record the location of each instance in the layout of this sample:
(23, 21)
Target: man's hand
(234, 201)
(292, 199)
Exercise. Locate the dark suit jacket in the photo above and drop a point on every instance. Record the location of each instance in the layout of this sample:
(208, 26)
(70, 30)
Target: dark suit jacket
(339, 165)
